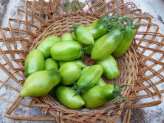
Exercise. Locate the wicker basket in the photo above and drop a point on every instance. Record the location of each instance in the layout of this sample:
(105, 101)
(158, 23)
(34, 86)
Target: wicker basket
(138, 65)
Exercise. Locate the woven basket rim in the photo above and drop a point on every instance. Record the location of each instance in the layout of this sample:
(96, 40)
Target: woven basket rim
(43, 35)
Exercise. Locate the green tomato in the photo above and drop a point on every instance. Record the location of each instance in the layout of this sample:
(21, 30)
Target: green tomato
(70, 72)
(93, 97)
(67, 37)
(34, 62)
(78, 62)
(110, 67)
(99, 95)
(66, 51)
(105, 45)
(99, 27)
(101, 82)
(74, 36)
(47, 43)
(40, 83)
(62, 62)
(69, 98)
(51, 64)
(110, 91)
(83, 35)
(89, 77)
(124, 45)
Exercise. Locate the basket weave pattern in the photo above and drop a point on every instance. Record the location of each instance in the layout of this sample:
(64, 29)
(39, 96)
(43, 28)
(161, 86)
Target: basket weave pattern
(138, 65)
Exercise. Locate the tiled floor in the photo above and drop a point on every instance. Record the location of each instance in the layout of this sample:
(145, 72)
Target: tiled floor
(156, 9)
(153, 7)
